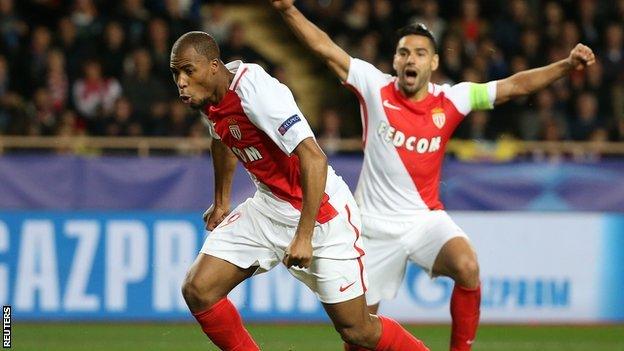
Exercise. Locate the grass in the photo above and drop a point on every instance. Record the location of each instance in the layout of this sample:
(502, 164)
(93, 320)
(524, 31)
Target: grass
(188, 337)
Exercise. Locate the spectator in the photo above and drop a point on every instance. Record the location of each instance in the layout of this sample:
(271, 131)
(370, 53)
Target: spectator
(179, 121)
(356, 20)
(509, 27)
(236, 48)
(159, 46)
(613, 54)
(122, 121)
(84, 15)
(215, 22)
(40, 113)
(471, 26)
(31, 67)
(430, 18)
(44, 57)
(113, 49)
(133, 16)
(534, 122)
(4, 90)
(588, 22)
(140, 86)
(12, 28)
(586, 117)
(95, 95)
(452, 57)
(329, 136)
(57, 82)
(156, 124)
(554, 19)
(177, 16)
(382, 22)
(75, 51)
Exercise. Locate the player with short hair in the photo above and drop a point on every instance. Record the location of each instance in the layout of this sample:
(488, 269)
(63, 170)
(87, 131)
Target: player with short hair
(302, 214)
(407, 123)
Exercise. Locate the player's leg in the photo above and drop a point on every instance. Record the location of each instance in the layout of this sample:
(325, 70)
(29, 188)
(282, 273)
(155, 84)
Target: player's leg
(458, 260)
(357, 327)
(444, 249)
(205, 291)
(385, 261)
(234, 251)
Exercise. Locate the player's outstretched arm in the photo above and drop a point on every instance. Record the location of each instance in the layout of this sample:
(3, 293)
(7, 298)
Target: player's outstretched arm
(530, 81)
(224, 163)
(313, 166)
(317, 40)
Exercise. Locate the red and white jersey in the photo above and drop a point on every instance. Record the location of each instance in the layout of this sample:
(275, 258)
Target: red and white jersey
(404, 141)
(260, 122)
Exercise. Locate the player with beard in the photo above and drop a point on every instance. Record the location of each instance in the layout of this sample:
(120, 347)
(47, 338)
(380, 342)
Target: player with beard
(407, 123)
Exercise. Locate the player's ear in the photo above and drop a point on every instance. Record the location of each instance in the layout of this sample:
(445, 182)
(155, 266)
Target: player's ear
(435, 61)
(214, 66)
(394, 63)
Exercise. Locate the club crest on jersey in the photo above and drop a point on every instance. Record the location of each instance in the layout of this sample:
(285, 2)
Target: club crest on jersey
(235, 131)
(438, 116)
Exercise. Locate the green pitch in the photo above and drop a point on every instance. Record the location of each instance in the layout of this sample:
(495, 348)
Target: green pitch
(188, 337)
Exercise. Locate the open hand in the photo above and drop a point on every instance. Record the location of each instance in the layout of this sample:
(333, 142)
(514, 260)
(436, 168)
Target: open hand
(215, 215)
(298, 253)
(581, 56)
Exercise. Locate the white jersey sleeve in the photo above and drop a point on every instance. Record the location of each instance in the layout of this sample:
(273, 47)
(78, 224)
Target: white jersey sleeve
(468, 96)
(210, 125)
(365, 77)
(271, 107)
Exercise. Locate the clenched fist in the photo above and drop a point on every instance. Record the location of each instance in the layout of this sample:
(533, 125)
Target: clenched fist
(581, 56)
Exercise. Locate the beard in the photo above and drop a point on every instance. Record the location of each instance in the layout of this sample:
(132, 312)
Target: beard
(410, 89)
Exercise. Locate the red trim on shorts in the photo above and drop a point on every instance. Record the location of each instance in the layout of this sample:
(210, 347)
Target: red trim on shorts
(359, 259)
(359, 250)
(238, 79)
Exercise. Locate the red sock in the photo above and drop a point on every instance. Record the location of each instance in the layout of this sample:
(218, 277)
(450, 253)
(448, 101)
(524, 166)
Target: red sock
(395, 338)
(224, 327)
(348, 347)
(465, 314)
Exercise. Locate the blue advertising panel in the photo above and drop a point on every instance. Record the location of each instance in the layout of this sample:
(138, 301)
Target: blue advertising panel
(186, 183)
(130, 266)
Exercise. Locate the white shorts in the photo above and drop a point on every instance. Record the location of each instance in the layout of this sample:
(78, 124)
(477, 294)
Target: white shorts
(389, 245)
(247, 237)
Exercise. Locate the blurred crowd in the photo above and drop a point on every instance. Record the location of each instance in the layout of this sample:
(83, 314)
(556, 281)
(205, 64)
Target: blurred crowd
(100, 67)
(88, 67)
(481, 41)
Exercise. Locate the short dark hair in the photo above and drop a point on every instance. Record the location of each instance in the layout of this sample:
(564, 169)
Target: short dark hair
(202, 42)
(417, 29)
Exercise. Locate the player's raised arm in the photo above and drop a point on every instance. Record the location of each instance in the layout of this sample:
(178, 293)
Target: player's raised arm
(317, 40)
(313, 166)
(530, 81)
(224, 163)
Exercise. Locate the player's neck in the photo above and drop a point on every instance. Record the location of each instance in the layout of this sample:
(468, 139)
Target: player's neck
(226, 78)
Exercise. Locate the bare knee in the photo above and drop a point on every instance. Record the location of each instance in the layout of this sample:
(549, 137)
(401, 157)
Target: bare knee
(198, 295)
(466, 271)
